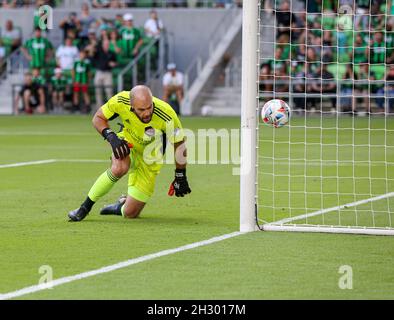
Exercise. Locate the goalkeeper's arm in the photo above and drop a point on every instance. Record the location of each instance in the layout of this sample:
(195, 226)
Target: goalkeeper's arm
(180, 185)
(120, 147)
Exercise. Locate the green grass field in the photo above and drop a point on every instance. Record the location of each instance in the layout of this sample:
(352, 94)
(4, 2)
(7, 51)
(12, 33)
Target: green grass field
(34, 230)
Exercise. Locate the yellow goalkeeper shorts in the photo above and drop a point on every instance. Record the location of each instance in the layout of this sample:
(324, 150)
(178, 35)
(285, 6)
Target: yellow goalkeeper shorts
(142, 178)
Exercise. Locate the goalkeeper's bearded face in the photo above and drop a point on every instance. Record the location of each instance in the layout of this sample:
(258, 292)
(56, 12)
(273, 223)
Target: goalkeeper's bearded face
(144, 113)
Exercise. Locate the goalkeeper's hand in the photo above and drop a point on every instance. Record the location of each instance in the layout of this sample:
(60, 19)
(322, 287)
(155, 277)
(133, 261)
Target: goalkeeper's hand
(120, 147)
(179, 186)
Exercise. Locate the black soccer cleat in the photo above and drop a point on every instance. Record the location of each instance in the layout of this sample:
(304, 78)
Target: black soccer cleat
(78, 214)
(114, 209)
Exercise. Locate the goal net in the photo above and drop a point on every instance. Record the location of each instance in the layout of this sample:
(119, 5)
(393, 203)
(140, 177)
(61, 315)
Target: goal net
(331, 169)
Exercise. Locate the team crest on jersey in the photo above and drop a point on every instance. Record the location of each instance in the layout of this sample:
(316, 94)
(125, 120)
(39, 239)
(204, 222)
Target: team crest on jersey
(150, 132)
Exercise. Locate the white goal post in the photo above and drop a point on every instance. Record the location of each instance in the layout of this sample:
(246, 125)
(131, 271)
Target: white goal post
(331, 169)
(249, 105)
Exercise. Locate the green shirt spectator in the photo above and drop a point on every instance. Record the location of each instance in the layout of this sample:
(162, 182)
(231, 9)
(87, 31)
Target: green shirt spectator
(131, 39)
(81, 71)
(38, 78)
(377, 53)
(58, 82)
(37, 50)
(360, 50)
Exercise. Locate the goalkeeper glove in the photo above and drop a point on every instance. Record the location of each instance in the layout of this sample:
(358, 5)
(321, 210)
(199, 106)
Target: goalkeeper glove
(179, 186)
(120, 147)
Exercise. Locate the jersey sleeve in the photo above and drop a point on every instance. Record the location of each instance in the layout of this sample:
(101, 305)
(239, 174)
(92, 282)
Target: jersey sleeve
(26, 45)
(110, 109)
(138, 34)
(174, 130)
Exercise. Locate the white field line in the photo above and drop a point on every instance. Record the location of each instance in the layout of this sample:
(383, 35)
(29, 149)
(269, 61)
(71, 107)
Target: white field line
(343, 206)
(44, 133)
(83, 160)
(313, 164)
(120, 265)
(31, 163)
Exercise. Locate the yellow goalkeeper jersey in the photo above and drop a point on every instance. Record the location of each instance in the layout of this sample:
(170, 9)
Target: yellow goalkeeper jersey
(147, 138)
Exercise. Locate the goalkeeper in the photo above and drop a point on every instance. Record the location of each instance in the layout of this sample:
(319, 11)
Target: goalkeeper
(138, 150)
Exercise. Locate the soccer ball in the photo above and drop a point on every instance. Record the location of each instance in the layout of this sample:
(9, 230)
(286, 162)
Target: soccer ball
(275, 113)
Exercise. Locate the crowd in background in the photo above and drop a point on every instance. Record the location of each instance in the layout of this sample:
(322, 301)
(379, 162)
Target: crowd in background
(83, 69)
(335, 50)
(100, 4)
(81, 73)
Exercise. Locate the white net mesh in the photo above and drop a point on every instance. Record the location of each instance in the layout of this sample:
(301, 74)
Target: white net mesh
(333, 63)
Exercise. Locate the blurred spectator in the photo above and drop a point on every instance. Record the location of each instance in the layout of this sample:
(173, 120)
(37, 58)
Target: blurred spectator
(299, 27)
(390, 89)
(32, 95)
(153, 26)
(377, 50)
(116, 4)
(65, 56)
(131, 39)
(285, 19)
(104, 60)
(103, 31)
(37, 50)
(389, 40)
(346, 100)
(377, 89)
(71, 22)
(58, 87)
(223, 3)
(313, 61)
(222, 67)
(114, 42)
(362, 88)
(100, 4)
(76, 42)
(362, 11)
(118, 22)
(300, 53)
(177, 3)
(378, 19)
(3, 53)
(360, 52)
(284, 42)
(37, 13)
(11, 36)
(173, 82)
(86, 21)
(328, 85)
(299, 86)
(313, 6)
(266, 78)
(342, 42)
(81, 79)
(37, 78)
(316, 44)
(281, 82)
(8, 4)
(327, 52)
(323, 83)
(277, 62)
(92, 42)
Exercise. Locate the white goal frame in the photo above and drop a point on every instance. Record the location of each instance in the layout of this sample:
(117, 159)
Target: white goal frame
(249, 133)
